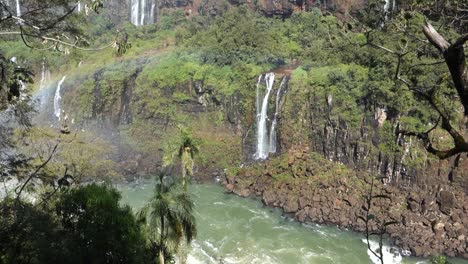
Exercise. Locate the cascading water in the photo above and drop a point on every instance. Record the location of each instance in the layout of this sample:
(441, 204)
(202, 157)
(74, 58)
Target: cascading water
(58, 98)
(142, 13)
(262, 118)
(274, 124)
(143, 7)
(79, 7)
(135, 12)
(389, 5)
(258, 99)
(153, 6)
(18, 8)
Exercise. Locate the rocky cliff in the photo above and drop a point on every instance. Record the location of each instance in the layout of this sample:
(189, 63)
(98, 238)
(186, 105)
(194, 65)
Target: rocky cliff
(311, 189)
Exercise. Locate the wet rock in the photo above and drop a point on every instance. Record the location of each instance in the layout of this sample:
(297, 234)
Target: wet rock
(291, 206)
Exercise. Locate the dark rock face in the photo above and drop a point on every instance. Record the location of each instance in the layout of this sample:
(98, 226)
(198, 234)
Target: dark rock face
(429, 223)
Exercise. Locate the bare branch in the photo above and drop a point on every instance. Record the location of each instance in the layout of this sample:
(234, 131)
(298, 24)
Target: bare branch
(435, 38)
(34, 174)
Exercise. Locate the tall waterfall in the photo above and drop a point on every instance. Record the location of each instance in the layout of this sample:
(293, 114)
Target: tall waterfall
(262, 118)
(141, 13)
(58, 98)
(135, 12)
(79, 7)
(274, 124)
(18, 8)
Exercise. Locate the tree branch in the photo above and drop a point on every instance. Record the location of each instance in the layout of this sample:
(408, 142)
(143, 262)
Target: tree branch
(34, 174)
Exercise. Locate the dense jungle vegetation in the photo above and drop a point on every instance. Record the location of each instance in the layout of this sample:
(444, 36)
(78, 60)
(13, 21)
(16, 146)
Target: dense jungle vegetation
(407, 63)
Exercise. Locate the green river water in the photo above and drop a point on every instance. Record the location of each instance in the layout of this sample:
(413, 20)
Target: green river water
(239, 230)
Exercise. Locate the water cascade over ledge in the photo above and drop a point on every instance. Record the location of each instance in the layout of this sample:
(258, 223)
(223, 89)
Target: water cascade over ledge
(262, 118)
(273, 137)
(18, 8)
(58, 98)
(142, 13)
(266, 137)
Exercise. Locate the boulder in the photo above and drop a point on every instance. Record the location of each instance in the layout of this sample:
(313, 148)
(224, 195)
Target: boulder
(446, 201)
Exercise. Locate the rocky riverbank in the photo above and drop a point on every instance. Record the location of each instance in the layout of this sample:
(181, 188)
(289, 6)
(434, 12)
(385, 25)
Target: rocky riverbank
(429, 222)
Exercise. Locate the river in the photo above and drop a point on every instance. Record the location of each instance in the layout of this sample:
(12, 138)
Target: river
(238, 230)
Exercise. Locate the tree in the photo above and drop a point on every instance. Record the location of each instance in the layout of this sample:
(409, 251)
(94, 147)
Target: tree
(167, 219)
(184, 149)
(97, 229)
(46, 25)
(82, 225)
(419, 50)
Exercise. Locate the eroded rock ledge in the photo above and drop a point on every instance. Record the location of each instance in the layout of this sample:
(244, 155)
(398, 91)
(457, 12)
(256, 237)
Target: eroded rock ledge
(429, 222)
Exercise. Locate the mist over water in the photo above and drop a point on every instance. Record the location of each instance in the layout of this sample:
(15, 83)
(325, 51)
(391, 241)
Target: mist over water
(239, 230)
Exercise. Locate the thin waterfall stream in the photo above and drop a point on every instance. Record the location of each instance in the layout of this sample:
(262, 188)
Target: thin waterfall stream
(274, 124)
(58, 98)
(142, 12)
(262, 118)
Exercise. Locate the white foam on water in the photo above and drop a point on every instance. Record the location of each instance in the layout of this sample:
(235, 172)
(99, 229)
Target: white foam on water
(391, 255)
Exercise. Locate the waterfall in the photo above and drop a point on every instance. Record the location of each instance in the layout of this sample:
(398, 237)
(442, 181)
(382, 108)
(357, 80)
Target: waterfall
(135, 12)
(57, 98)
(143, 7)
(153, 6)
(273, 137)
(79, 7)
(258, 100)
(262, 132)
(142, 12)
(45, 76)
(389, 6)
(18, 9)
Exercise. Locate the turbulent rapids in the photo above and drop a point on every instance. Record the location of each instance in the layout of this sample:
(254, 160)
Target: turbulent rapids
(237, 230)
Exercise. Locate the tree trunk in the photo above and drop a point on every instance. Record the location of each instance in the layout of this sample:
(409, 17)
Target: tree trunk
(161, 257)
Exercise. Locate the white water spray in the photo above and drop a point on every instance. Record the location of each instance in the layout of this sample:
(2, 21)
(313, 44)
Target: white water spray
(79, 7)
(58, 98)
(274, 124)
(390, 255)
(262, 131)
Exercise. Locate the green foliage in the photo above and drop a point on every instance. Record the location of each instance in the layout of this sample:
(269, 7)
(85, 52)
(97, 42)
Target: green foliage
(439, 260)
(81, 153)
(81, 225)
(241, 36)
(98, 229)
(168, 218)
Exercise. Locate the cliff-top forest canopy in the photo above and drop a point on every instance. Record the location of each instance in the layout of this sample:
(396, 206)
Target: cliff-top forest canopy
(348, 113)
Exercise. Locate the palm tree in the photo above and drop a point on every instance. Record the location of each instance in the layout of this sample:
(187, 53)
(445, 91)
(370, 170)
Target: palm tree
(167, 219)
(185, 151)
